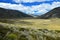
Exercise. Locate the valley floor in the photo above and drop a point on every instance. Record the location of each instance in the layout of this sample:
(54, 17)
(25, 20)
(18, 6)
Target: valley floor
(51, 24)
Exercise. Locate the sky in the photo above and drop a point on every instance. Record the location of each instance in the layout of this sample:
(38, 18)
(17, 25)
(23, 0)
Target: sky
(36, 7)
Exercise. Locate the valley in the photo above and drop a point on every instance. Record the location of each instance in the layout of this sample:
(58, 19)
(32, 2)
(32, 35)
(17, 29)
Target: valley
(52, 24)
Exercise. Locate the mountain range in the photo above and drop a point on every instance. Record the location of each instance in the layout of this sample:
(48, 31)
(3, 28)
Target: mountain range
(8, 13)
(54, 13)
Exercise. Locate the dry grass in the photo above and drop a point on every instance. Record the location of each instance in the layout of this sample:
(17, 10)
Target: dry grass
(51, 24)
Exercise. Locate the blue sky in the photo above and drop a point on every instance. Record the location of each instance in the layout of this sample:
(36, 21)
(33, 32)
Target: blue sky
(36, 7)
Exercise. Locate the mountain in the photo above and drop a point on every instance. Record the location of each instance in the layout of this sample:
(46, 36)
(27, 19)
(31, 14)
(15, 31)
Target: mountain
(55, 13)
(8, 13)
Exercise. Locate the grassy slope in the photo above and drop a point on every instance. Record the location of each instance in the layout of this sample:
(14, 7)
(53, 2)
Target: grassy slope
(52, 24)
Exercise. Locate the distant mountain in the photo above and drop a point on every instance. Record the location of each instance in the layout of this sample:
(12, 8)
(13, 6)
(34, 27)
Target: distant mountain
(8, 13)
(55, 13)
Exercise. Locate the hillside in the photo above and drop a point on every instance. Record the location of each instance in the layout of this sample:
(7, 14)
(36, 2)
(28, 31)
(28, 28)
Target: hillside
(54, 13)
(8, 13)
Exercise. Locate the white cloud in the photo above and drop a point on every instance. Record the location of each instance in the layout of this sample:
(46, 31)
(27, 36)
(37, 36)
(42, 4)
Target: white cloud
(55, 4)
(19, 1)
(19, 7)
(42, 8)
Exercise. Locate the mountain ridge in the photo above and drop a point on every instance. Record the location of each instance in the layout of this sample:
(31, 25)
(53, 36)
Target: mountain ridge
(54, 13)
(8, 13)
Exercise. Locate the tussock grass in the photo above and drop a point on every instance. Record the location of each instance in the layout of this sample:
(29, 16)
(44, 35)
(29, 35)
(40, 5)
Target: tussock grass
(14, 33)
(30, 29)
(52, 24)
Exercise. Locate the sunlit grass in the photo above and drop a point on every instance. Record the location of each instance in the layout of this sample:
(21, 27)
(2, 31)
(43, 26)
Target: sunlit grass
(30, 29)
(52, 24)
